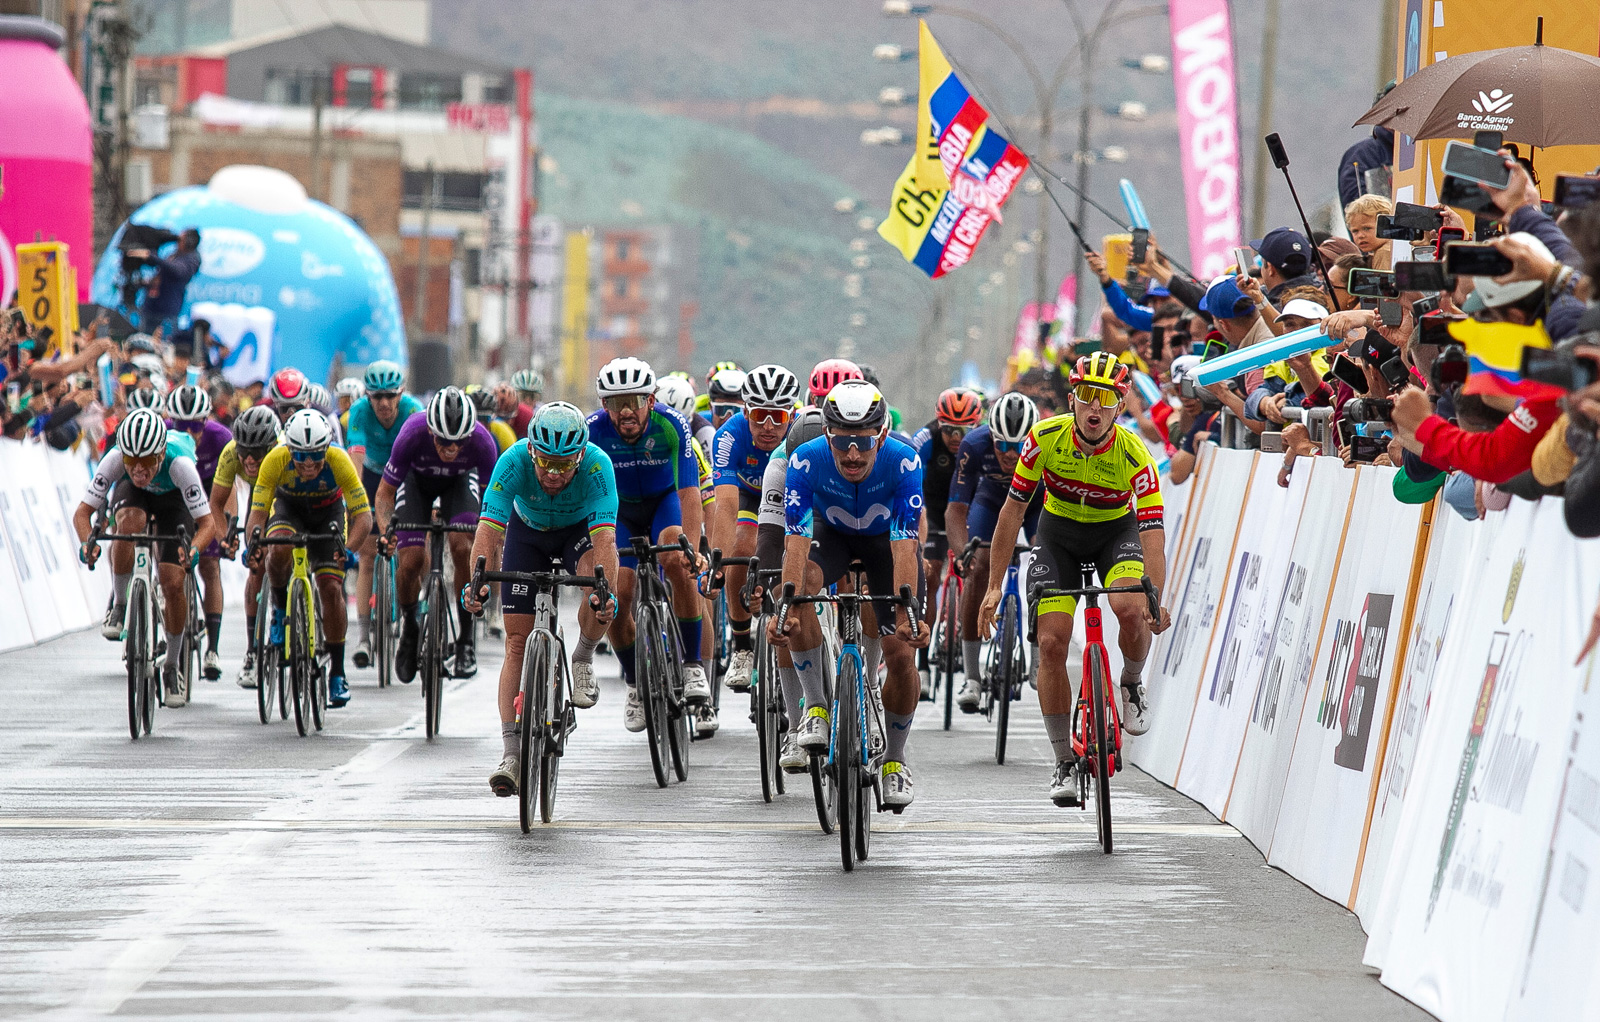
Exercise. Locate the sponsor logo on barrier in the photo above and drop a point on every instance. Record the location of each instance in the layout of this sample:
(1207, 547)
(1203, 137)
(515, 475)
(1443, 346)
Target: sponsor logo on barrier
(1358, 649)
(1513, 586)
(1286, 637)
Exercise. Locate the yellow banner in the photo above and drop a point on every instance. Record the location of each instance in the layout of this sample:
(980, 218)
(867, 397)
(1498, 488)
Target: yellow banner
(575, 321)
(46, 292)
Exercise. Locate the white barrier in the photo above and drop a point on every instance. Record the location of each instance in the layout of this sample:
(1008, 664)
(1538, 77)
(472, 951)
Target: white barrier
(1384, 701)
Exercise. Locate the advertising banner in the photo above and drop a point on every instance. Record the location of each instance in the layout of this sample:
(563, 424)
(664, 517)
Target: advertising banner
(1257, 585)
(28, 466)
(1281, 688)
(1208, 136)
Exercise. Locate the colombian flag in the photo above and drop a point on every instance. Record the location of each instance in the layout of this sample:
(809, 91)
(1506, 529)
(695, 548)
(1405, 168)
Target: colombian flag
(1494, 358)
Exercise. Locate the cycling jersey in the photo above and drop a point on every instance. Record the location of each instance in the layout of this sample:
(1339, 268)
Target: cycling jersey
(337, 478)
(735, 457)
(414, 451)
(660, 461)
(1089, 485)
(888, 500)
(708, 494)
(178, 473)
(938, 467)
(519, 421)
(209, 442)
(590, 497)
(704, 432)
(504, 435)
(366, 431)
(230, 467)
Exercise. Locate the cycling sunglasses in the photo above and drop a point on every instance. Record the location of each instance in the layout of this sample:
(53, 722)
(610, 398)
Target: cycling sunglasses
(954, 430)
(1101, 397)
(558, 466)
(254, 453)
(768, 416)
(720, 410)
(307, 457)
(1008, 446)
(853, 442)
(626, 402)
(383, 395)
(148, 462)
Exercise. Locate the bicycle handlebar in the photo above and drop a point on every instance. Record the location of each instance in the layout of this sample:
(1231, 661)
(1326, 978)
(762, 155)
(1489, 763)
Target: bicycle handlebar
(1152, 595)
(541, 579)
(789, 599)
(642, 548)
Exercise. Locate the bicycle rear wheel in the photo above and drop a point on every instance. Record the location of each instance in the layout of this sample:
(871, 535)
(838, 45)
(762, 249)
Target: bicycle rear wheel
(678, 711)
(383, 610)
(432, 657)
(1099, 750)
(1006, 676)
(555, 730)
(528, 730)
(651, 679)
(762, 696)
(266, 673)
(949, 621)
(299, 640)
(194, 632)
(135, 645)
(847, 759)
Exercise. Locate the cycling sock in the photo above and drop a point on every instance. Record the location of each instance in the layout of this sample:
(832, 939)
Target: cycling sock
(335, 659)
(213, 631)
(741, 634)
(1132, 671)
(689, 635)
(174, 643)
(583, 652)
(625, 658)
(364, 622)
(119, 588)
(464, 620)
(972, 658)
(793, 694)
(1058, 726)
(899, 731)
(510, 740)
(872, 655)
(810, 666)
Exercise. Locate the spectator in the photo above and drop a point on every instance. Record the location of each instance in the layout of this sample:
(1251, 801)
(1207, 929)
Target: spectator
(1339, 278)
(1197, 420)
(1525, 302)
(1285, 262)
(1361, 220)
(1234, 317)
(163, 296)
(1366, 155)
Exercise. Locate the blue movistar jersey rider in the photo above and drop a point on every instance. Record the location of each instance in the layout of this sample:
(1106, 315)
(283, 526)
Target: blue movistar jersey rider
(735, 458)
(888, 500)
(590, 498)
(660, 461)
(366, 431)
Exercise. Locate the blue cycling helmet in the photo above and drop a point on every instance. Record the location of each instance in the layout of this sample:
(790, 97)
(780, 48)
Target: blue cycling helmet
(558, 430)
(385, 377)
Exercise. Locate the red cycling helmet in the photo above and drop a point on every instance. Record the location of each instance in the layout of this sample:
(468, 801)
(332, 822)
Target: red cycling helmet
(959, 407)
(829, 373)
(287, 388)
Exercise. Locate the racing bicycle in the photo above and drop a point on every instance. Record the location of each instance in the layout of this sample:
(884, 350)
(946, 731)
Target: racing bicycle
(1007, 666)
(437, 618)
(301, 654)
(766, 695)
(658, 660)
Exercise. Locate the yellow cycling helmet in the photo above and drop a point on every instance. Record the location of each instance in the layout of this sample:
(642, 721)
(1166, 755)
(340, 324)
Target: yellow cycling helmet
(1100, 369)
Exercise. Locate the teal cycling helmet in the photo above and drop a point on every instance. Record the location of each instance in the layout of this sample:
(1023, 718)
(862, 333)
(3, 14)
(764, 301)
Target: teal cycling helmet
(384, 377)
(558, 430)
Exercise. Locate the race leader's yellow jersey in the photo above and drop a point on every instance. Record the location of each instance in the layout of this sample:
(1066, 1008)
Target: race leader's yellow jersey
(338, 479)
(1099, 485)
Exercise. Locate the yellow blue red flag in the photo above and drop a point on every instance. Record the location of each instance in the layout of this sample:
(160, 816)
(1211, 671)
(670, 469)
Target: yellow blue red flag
(1494, 358)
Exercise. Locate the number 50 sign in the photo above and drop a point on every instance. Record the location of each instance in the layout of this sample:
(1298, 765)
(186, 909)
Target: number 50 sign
(47, 292)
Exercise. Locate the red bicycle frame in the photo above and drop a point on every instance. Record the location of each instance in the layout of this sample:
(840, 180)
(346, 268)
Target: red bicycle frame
(1095, 639)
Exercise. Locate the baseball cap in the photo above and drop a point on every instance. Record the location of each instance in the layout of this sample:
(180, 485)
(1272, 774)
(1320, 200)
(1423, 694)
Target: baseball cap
(1182, 365)
(1223, 297)
(1305, 308)
(1286, 249)
(1495, 295)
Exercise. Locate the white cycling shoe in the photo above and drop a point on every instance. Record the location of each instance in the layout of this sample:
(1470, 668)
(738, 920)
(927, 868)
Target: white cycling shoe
(705, 722)
(1135, 708)
(1064, 789)
(633, 710)
(740, 666)
(247, 670)
(111, 627)
(895, 777)
(814, 733)
(585, 690)
(695, 687)
(792, 759)
(503, 781)
(967, 695)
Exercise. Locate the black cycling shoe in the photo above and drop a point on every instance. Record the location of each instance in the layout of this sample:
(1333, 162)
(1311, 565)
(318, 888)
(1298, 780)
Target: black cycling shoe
(405, 657)
(466, 661)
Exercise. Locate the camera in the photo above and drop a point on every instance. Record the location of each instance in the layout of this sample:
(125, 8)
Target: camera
(1367, 409)
(1449, 370)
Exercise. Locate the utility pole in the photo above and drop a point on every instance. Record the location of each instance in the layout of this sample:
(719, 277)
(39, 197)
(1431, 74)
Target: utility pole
(1269, 74)
(316, 142)
(429, 187)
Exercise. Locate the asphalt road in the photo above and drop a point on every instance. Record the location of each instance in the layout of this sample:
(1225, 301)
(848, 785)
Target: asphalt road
(225, 868)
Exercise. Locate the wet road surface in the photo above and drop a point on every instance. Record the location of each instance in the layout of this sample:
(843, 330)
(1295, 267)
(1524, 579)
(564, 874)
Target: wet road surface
(221, 867)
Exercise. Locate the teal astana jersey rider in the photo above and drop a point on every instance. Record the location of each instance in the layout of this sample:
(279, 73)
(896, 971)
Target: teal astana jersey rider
(660, 461)
(366, 431)
(591, 496)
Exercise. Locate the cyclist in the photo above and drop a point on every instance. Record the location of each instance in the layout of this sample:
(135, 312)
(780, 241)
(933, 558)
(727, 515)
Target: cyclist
(551, 502)
(702, 404)
(807, 425)
(529, 384)
(984, 464)
(677, 393)
(483, 404)
(658, 491)
(150, 475)
(445, 457)
(1102, 506)
(725, 393)
(375, 422)
(510, 407)
(307, 485)
(857, 492)
(957, 412)
(348, 391)
(289, 391)
(189, 410)
(739, 457)
(255, 433)
(829, 373)
(144, 397)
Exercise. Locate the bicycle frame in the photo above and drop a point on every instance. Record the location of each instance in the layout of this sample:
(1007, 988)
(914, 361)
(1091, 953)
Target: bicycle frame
(146, 601)
(664, 711)
(308, 693)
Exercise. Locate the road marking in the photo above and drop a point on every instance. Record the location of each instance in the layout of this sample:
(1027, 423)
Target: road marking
(46, 823)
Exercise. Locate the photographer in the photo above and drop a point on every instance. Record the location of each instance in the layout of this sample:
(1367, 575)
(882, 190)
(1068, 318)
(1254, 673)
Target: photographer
(163, 295)
(1285, 262)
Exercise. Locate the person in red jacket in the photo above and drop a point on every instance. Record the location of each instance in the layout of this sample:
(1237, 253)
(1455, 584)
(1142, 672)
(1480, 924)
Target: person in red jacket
(1494, 457)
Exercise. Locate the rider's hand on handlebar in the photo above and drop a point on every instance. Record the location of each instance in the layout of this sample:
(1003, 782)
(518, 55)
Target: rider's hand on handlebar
(1157, 627)
(605, 611)
(781, 638)
(474, 603)
(987, 611)
(89, 553)
(913, 632)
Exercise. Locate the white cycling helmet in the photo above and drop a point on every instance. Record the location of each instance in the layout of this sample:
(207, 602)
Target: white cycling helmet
(142, 434)
(676, 392)
(144, 397)
(307, 430)
(188, 403)
(351, 388)
(855, 404)
(317, 396)
(627, 375)
(770, 386)
(1013, 417)
(727, 385)
(452, 415)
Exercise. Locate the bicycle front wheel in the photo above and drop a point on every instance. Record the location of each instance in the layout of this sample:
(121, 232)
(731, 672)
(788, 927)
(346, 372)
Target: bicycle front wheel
(535, 664)
(555, 728)
(847, 759)
(950, 620)
(652, 684)
(135, 649)
(1098, 746)
(432, 656)
(300, 668)
(763, 702)
(383, 611)
(266, 673)
(1007, 676)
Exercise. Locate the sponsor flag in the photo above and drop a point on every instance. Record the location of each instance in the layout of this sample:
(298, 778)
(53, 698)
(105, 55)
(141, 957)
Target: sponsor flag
(949, 119)
(1202, 57)
(1494, 358)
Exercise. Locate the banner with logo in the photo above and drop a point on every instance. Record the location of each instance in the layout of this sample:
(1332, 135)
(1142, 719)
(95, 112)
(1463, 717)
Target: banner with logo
(1281, 687)
(1255, 587)
(1194, 587)
(1203, 78)
(1329, 785)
